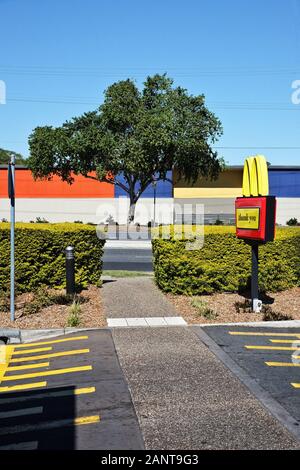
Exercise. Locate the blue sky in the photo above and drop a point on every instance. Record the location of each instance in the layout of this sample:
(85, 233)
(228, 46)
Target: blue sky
(58, 56)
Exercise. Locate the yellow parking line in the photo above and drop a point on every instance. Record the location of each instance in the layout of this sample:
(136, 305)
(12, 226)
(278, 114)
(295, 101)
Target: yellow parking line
(47, 425)
(5, 356)
(249, 333)
(50, 355)
(29, 366)
(40, 343)
(46, 373)
(48, 393)
(273, 348)
(295, 385)
(27, 351)
(82, 391)
(282, 364)
(87, 420)
(15, 388)
(285, 341)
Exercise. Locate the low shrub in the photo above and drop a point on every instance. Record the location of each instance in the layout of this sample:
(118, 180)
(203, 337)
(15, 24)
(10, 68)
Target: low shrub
(203, 310)
(74, 316)
(40, 255)
(223, 264)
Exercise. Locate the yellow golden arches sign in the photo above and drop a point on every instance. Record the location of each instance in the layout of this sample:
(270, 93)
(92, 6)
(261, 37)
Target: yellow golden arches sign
(255, 177)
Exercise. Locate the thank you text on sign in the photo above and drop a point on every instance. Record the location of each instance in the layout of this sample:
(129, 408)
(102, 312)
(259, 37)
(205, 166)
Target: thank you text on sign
(247, 218)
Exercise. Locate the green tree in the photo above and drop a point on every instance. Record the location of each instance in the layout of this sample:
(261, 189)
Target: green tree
(5, 156)
(137, 133)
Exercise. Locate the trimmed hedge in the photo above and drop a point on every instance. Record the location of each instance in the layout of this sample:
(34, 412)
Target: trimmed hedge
(224, 263)
(40, 256)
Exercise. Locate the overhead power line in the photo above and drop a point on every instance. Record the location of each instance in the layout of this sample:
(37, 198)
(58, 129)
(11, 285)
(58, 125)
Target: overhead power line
(258, 147)
(105, 71)
(92, 101)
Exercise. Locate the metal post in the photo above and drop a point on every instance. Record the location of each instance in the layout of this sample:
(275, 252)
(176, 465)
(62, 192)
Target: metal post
(256, 303)
(11, 193)
(70, 270)
(154, 183)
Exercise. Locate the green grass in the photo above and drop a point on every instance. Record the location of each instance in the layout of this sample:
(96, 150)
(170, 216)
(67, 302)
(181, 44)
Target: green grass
(120, 273)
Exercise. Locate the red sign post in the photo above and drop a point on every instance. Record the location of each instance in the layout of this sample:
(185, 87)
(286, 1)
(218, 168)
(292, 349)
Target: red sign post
(255, 215)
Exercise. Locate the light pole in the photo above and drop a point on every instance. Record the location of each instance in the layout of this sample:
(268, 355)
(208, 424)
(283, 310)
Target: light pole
(11, 195)
(154, 184)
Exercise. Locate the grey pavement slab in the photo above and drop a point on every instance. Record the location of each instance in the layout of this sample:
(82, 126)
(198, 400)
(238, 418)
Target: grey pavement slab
(186, 398)
(135, 298)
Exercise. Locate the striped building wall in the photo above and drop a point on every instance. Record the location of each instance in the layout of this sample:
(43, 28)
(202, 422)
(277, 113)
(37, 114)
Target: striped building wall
(218, 196)
(86, 200)
(91, 201)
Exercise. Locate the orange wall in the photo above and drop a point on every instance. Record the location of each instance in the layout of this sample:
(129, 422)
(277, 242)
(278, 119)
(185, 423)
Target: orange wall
(27, 187)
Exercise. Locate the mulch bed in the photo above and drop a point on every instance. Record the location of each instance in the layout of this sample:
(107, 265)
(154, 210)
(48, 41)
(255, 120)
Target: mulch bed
(223, 305)
(56, 316)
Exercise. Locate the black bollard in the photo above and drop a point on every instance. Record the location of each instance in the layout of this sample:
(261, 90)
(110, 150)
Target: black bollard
(70, 270)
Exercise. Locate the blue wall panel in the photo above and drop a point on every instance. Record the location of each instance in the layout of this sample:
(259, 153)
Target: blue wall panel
(284, 183)
(164, 189)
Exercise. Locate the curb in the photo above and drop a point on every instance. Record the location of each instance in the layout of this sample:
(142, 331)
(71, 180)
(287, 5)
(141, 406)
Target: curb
(16, 336)
(264, 324)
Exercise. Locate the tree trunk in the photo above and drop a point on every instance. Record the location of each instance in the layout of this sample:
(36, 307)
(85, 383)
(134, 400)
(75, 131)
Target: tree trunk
(131, 211)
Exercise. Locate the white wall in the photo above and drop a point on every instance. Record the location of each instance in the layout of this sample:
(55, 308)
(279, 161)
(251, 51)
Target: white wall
(287, 208)
(87, 209)
(96, 210)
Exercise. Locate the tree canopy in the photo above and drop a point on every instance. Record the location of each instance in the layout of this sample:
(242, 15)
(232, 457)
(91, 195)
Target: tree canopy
(5, 156)
(139, 133)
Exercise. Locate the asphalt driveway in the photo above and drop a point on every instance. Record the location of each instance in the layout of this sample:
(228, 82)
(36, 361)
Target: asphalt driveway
(67, 392)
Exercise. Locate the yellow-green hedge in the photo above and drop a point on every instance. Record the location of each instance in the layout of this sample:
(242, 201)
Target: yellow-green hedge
(40, 257)
(224, 263)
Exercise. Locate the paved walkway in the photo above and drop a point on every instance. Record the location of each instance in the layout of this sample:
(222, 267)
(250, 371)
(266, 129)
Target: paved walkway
(186, 398)
(136, 297)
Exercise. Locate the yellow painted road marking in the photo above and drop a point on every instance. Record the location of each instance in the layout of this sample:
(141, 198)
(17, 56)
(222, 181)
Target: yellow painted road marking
(23, 387)
(50, 355)
(295, 385)
(35, 410)
(273, 348)
(47, 394)
(282, 364)
(87, 420)
(5, 356)
(248, 333)
(46, 373)
(81, 391)
(29, 366)
(41, 343)
(27, 351)
(5, 430)
(285, 341)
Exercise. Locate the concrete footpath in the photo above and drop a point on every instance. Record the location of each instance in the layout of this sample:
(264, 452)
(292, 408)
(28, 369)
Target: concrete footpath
(135, 298)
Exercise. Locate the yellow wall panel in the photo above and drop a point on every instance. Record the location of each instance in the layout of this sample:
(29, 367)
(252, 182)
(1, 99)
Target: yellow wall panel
(189, 193)
(231, 178)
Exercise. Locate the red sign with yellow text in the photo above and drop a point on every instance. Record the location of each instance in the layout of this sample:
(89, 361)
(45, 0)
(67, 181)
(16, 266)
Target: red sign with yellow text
(255, 218)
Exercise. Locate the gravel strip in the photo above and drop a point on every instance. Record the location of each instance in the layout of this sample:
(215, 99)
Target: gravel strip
(286, 302)
(56, 316)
